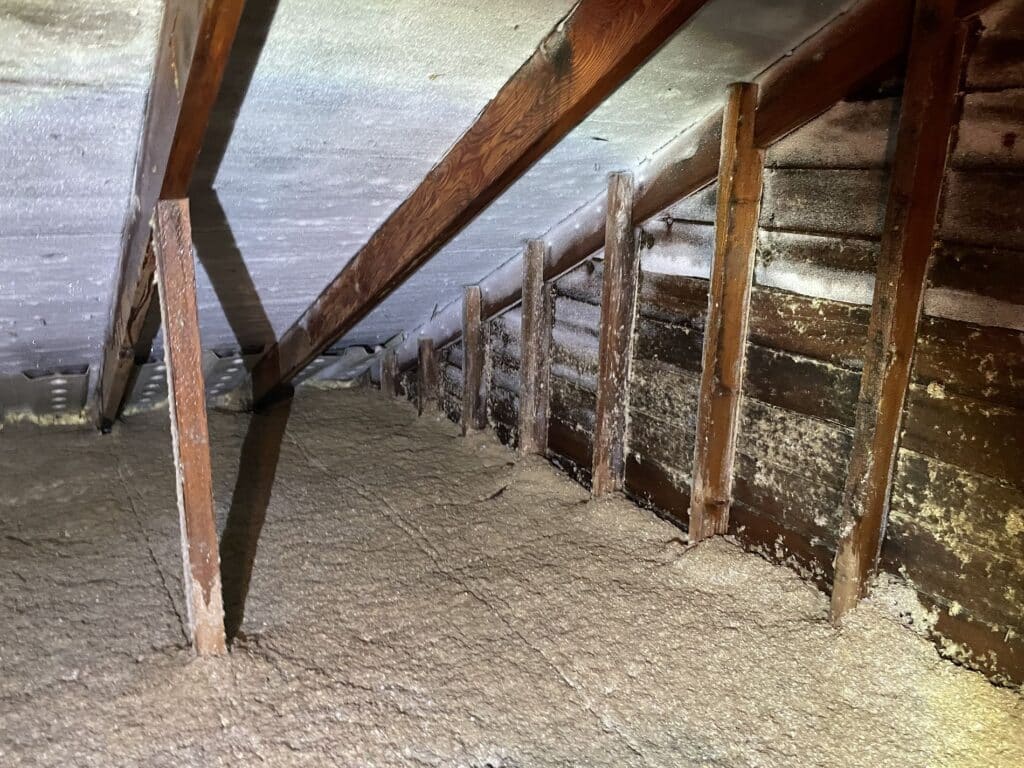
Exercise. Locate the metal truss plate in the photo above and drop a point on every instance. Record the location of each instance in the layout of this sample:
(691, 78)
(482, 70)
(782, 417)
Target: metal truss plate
(58, 395)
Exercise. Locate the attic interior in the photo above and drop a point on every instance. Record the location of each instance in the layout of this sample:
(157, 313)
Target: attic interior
(541, 383)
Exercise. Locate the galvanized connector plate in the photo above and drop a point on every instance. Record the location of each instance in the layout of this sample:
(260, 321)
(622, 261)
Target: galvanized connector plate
(45, 395)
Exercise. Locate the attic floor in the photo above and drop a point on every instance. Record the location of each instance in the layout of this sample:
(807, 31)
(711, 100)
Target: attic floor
(423, 599)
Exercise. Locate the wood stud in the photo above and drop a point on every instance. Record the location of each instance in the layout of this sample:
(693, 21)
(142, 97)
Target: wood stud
(389, 373)
(928, 115)
(537, 317)
(176, 279)
(619, 291)
(474, 358)
(725, 332)
(428, 389)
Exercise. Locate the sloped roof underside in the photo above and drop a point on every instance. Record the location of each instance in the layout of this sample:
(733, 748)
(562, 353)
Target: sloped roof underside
(348, 107)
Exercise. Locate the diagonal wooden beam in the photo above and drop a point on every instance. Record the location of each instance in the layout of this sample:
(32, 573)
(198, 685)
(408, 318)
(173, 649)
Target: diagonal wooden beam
(725, 332)
(176, 278)
(796, 89)
(586, 57)
(195, 40)
(928, 114)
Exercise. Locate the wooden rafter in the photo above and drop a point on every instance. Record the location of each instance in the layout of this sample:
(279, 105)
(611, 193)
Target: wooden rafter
(725, 332)
(928, 114)
(195, 42)
(595, 48)
(798, 88)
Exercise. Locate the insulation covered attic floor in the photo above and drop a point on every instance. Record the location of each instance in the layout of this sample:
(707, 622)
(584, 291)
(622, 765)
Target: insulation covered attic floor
(420, 598)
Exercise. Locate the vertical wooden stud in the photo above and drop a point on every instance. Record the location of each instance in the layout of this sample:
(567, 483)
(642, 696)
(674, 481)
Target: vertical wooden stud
(389, 373)
(535, 344)
(725, 333)
(428, 390)
(176, 282)
(928, 114)
(618, 314)
(474, 355)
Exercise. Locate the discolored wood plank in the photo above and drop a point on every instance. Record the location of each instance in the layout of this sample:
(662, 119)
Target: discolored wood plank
(535, 341)
(450, 391)
(175, 271)
(665, 393)
(966, 432)
(618, 315)
(927, 116)
(790, 499)
(825, 330)
(583, 60)
(678, 344)
(990, 272)
(725, 333)
(667, 444)
(672, 297)
(503, 414)
(571, 428)
(975, 361)
(801, 384)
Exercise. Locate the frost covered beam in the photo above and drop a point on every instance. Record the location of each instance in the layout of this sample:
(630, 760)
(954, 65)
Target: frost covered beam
(474, 355)
(183, 356)
(428, 384)
(195, 41)
(796, 89)
(928, 114)
(534, 364)
(586, 57)
(725, 333)
(618, 312)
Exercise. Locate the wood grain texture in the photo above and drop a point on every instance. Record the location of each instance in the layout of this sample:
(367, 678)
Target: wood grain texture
(928, 115)
(428, 381)
(535, 344)
(725, 334)
(474, 359)
(195, 41)
(121, 360)
(213, 47)
(586, 57)
(615, 343)
(571, 429)
(175, 270)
